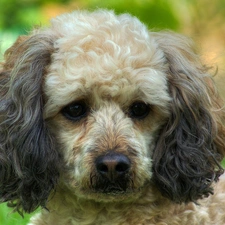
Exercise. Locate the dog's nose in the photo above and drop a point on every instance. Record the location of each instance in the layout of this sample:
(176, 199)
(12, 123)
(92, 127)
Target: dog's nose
(113, 166)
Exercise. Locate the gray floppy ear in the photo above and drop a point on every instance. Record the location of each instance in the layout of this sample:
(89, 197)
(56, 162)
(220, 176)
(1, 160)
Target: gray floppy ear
(191, 144)
(28, 157)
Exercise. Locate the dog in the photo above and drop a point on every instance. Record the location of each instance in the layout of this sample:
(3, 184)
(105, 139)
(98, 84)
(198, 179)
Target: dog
(105, 122)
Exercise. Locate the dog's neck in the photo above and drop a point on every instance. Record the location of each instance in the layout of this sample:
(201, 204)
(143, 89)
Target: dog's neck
(64, 204)
(67, 205)
(65, 208)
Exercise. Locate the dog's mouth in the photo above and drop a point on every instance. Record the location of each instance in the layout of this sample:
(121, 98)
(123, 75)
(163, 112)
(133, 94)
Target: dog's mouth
(119, 186)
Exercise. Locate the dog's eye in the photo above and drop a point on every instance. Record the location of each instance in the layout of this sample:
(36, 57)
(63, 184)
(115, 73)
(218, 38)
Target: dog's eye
(75, 111)
(139, 110)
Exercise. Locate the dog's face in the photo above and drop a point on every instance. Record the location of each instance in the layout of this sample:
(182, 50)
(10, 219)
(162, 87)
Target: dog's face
(107, 99)
(109, 107)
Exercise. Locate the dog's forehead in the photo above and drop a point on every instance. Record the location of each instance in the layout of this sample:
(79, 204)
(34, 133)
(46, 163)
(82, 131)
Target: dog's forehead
(119, 61)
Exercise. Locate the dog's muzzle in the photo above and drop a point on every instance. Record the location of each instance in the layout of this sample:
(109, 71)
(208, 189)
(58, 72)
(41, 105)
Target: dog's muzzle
(112, 173)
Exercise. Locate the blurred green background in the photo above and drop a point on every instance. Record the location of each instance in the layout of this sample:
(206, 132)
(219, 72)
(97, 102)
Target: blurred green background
(203, 20)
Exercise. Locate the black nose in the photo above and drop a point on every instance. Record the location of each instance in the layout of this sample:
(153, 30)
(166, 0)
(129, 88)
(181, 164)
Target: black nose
(113, 165)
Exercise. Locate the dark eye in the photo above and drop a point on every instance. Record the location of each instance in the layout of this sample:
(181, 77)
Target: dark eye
(139, 110)
(75, 111)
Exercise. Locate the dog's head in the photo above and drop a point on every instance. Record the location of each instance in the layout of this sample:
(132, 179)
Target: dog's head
(106, 107)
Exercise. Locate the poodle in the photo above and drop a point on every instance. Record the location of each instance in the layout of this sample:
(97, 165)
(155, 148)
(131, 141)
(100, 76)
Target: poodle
(103, 122)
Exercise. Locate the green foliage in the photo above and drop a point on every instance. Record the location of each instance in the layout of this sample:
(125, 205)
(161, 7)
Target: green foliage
(18, 15)
(9, 218)
(223, 163)
(155, 13)
(22, 14)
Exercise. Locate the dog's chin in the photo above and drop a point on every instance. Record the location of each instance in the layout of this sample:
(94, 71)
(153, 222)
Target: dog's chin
(109, 192)
(115, 187)
(111, 195)
(114, 193)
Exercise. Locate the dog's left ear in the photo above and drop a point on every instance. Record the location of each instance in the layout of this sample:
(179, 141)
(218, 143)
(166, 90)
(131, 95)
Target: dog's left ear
(28, 156)
(191, 145)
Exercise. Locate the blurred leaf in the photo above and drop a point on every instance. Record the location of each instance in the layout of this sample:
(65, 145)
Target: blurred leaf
(154, 13)
(18, 15)
(9, 218)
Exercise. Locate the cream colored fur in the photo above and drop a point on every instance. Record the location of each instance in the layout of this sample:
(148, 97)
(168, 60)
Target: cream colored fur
(149, 209)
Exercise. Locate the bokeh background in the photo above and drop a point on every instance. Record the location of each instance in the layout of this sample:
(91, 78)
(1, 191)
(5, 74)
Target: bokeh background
(202, 20)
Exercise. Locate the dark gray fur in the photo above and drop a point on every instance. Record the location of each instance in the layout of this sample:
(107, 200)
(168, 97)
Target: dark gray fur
(28, 157)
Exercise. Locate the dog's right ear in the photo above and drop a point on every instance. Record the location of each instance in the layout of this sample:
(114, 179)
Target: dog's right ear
(28, 157)
(190, 146)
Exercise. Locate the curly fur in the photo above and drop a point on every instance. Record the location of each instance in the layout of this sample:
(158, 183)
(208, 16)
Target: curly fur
(28, 154)
(108, 63)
